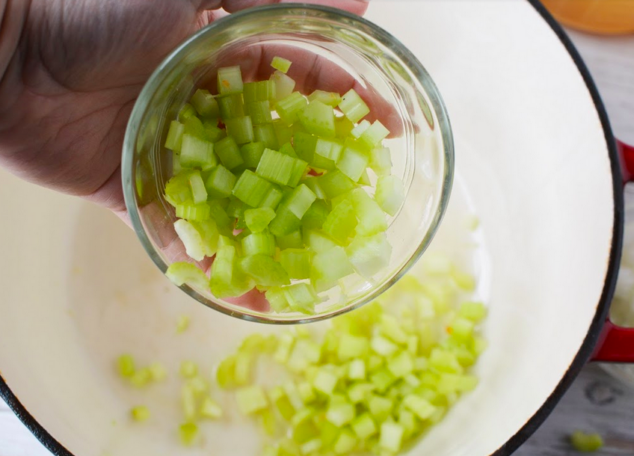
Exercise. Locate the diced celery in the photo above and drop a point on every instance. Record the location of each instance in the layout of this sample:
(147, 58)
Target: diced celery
(391, 437)
(212, 132)
(186, 112)
(251, 188)
(197, 153)
(140, 413)
(340, 413)
(327, 98)
(284, 223)
(586, 443)
(125, 366)
(272, 198)
(259, 243)
(281, 64)
(461, 329)
(327, 153)
(141, 378)
(157, 371)
(382, 346)
(356, 370)
(199, 193)
(293, 240)
(193, 212)
(182, 272)
(353, 106)
(229, 153)
(299, 168)
(365, 179)
(283, 132)
(335, 183)
(251, 400)
(343, 127)
(265, 271)
(283, 85)
(341, 222)
(188, 433)
(318, 241)
(305, 353)
(259, 111)
(303, 426)
(230, 80)
(364, 426)
(279, 399)
(351, 347)
(444, 361)
(240, 129)
(373, 135)
(301, 297)
(311, 447)
(265, 133)
(330, 266)
(346, 442)
(210, 409)
(277, 167)
(191, 239)
(296, 262)
(474, 311)
(316, 214)
(382, 379)
(359, 129)
(289, 108)
(258, 219)
(306, 392)
(359, 392)
(369, 255)
(389, 194)
(205, 104)
(222, 272)
(259, 91)
(231, 106)
(381, 161)
(318, 119)
(286, 343)
(353, 163)
(300, 200)
(175, 136)
(401, 365)
(305, 144)
(219, 215)
(220, 182)
(420, 406)
(391, 328)
(188, 369)
(252, 153)
(287, 149)
(370, 216)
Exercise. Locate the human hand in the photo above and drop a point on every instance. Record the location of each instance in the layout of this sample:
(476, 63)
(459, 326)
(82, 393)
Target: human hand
(71, 71)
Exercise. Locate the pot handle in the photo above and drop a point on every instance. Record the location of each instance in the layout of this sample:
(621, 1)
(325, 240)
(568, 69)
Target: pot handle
(616, 344)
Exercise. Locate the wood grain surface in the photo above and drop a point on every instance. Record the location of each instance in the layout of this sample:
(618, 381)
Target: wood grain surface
(595, 402)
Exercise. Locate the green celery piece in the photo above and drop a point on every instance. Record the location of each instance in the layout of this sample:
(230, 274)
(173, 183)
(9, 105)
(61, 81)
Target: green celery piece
(283, 85)
(351, 347)
(276, 298)
(293, 240)
(327, 98)
(391, 437)
(284, 223)
(318, 119)
(258, 219)
(188, 433)
(356, 370)
(358, 130)
(327, 153)
(265, 270)
(382, 346)
(311, 447)
(175, 136)
(392, 329)
(297, 173)
(225, 374)
(318, 242)
(272, 198)
(316, 215)
(343, 127)
(193, 212)
(281, 64)
(380, 407)
(305, 144)
(382, 380)
(182, 272)
(312, 183)
(259, 111)
(252, 153)
(296, 262)
(444, 361)
(330, 266)
(197, 153)
(340, 414)
(188, 369)
(283, 133)
(461, 329)
(212, 132)
(341, 222)
(305, 354)
(369, 255)
(353, 163)
(370, 216)
(360, 392)
(222, 271)
(474, 311)
(230, 80)
(287, 149)
(265, 133)
(364, 426)
(125, 366)
(141, 378)
(401, 365)
(300, 200)
(280, 400)
(374, 134)
(420, 406)
(303, 427)
(186, 112)
(353, 106)
(240, 129)
(289, 108)
(335, 183)
(259, 243)
(346, 442)
(251, 399)
(381, 161)
(251, 188)
(325, 381)
(228, 152)
(301, 297)
(210, 409)
(259, 91)
(195, 127)
(191, 239)
(199, 192)
(306, 392)
(365, 179)
(177, 189)
(389, 194)
(277, 167)
(219, 216)
(140, 413)
(220, 182)
(231, 106)
(585, 442)
(205, 104)
(236, 208)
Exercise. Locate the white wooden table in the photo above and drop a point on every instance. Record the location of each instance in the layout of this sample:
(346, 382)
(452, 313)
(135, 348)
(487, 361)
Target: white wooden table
(595, 401)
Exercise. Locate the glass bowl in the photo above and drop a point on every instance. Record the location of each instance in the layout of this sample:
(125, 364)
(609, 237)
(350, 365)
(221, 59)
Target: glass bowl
(422, 149)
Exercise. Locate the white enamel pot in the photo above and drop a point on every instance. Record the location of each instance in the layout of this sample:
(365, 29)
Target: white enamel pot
(534, 151)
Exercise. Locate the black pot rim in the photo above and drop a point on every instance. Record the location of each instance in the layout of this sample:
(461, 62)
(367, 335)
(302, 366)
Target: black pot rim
(587, 347)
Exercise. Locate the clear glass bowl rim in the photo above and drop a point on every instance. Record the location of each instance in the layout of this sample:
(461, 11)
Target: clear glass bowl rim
(316, 11)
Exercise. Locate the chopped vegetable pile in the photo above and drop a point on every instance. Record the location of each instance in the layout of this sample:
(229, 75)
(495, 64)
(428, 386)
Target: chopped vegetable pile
(372, 382)
(269, 182)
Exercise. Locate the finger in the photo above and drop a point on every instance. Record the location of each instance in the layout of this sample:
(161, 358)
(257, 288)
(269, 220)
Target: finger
(354, 6)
